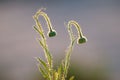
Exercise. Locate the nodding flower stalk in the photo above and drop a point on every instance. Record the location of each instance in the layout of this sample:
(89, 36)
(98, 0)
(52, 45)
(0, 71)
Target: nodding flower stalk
(81, 39)
(48, 67)
(51, 32)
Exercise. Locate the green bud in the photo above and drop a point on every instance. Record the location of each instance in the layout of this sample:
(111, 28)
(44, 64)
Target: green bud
(82, 40)
(52, 33)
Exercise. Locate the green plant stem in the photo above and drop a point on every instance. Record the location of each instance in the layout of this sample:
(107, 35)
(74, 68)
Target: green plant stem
(72, 22)
(46, 67)
(43, 43)
(69, 51)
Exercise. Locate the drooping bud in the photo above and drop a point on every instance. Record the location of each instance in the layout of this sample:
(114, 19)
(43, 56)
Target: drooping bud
(52, 33)
(82, 40)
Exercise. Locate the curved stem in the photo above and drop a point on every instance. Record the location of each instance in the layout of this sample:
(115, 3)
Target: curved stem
(47, 19)
(36, 16)
(77, 26)
(72, 38)
(43, 38)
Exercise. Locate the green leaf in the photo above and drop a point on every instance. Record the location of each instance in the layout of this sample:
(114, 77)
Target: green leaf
(43, 72)
(39, 31)
(43, 64)
(55, 75)
(59, 71)
(71, 78)
(41, 43)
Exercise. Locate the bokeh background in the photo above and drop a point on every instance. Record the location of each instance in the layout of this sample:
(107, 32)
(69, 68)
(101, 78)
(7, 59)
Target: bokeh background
(98, 59)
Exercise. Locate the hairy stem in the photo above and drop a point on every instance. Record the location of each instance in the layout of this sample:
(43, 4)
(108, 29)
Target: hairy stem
(75, 24)
(43, 39)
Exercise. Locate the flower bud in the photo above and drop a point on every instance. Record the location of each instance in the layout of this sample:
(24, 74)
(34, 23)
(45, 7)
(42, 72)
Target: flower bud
(82, 40)
(52, 33)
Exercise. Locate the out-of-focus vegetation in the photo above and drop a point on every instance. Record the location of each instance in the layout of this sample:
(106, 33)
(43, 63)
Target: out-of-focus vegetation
(84, 73)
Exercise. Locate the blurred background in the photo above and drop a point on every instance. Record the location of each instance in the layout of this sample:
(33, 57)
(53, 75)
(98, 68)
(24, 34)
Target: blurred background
(98, 59)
